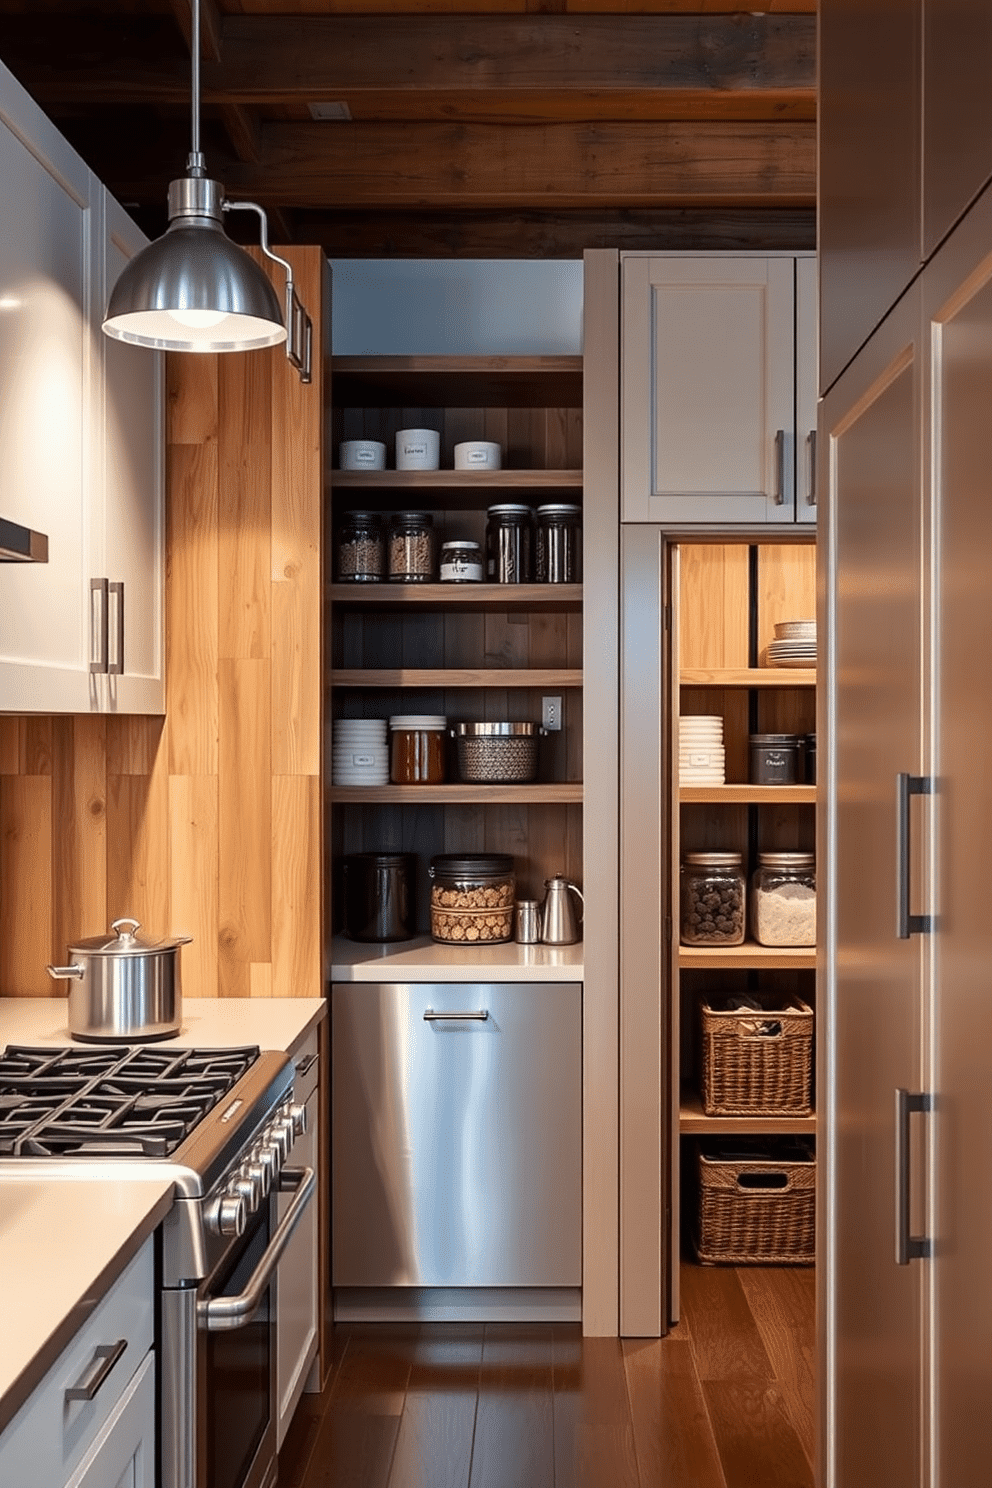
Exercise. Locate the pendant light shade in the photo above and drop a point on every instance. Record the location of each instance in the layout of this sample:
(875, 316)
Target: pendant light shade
(195, 290)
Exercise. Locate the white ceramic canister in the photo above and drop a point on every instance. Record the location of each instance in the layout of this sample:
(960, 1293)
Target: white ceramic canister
(478, 454)
(418, 449)
(362, 454)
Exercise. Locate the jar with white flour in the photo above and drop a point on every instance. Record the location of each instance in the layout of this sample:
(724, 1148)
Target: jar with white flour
(783, 899)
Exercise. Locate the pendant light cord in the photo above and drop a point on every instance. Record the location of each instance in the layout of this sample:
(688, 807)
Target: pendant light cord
(195, 165)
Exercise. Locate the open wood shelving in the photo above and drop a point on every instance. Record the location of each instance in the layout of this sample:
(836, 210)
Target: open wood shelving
(393, 677)
(747, 957)
(483, 481)
(535, 598)
(547, 793)
(748, 677)
(693, 1121)
(748, 795)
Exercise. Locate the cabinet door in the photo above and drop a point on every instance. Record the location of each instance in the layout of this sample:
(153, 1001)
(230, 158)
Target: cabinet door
(871, 1019)
(957, 111)
(457, 1141)
(707, 390)
(958, 291)
(869, 211)
(297, 1294)
(123, 1456)
(133, 494)
(46, 355)
(807, 368)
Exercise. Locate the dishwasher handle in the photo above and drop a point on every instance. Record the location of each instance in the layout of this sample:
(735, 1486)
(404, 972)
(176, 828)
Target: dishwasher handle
(430, 1016)
(218, 1314)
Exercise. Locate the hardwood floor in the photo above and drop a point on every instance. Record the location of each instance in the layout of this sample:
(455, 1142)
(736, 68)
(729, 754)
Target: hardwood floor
(725, 1401)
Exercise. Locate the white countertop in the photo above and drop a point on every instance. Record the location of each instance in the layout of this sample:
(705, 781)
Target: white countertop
(59, 1253)
(64, 1241)
(208, 1022)
(424, 960)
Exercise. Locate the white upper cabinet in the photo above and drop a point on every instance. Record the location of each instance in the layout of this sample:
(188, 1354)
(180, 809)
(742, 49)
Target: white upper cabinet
(709, 384)
(81, 439)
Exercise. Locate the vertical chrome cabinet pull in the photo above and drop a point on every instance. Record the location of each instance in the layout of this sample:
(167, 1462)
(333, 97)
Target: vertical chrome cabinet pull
(779, 467)
(811, 474)
(99, 625)
(908, 1247)
(908, 924)
(116, 667)
(105, 1357)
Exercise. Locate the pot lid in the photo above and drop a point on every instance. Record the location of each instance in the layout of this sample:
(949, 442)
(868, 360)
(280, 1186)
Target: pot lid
(125, 941)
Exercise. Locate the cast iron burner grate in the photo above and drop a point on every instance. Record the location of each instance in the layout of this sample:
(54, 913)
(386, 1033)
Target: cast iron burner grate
(118, 1101)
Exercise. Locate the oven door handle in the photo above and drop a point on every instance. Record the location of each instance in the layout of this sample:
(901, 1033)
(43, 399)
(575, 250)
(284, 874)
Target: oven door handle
(217, 1314)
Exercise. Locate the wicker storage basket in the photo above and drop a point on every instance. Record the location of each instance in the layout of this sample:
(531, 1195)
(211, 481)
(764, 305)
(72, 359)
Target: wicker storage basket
(757, 1063)
(757, 1202)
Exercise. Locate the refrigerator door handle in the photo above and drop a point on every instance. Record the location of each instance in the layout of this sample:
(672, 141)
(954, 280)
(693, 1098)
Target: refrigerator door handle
(908, 1247)
(908, 924)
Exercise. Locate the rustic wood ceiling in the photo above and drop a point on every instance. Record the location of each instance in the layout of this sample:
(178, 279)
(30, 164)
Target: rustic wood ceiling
(477, 127)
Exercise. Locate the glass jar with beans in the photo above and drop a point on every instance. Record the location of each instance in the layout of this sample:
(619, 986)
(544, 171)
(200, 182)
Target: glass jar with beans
(411, 548)
(712, 899)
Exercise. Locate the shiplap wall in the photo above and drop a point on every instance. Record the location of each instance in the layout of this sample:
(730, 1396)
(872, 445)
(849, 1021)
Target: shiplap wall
(209, 821)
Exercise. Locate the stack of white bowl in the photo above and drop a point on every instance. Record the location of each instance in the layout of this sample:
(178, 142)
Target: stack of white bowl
(702, 760)
(361, 752)
(794, 644)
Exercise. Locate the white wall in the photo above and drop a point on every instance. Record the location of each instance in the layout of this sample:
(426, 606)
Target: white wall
(457, 307)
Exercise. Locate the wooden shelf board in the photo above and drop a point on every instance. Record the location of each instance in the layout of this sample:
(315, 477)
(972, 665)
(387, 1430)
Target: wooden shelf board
(750, 954)
(501, 677)
(498, 598)
(694, 1122)
(458, 381)
(459, 480)
(553, 794)
(748, 794)
(748, 677)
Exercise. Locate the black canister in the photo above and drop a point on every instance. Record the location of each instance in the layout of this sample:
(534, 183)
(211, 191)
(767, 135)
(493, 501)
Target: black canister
(773, 759)
(558, 550)
(810, 759)
(378, 895)
(509, 544)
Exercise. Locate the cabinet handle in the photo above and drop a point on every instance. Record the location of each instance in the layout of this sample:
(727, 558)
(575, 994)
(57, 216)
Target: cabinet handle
(105, 1357)
(908, 1247)
(779, 467)
(99, 625)
(908, 924)
(117, 665)
(811, 476)
(430, 1016)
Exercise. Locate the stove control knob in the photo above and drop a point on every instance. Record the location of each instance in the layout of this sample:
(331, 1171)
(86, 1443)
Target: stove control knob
(298, 1116)
(268, 1158)
(227, 1215)
(281, 1138)
(258, 1172)
(249, 1186)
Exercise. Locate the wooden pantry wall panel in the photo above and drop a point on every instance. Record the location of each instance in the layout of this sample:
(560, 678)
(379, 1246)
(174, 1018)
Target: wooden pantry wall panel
(207, 822)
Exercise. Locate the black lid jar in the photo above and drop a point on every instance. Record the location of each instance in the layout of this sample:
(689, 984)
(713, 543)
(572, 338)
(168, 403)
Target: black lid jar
(411, 548)
(509, 543)
(361, 549)
(558, 548)
(472, 897)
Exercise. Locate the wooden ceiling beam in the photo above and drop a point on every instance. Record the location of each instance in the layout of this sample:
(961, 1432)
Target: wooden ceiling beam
(240, 123)
(550, 167)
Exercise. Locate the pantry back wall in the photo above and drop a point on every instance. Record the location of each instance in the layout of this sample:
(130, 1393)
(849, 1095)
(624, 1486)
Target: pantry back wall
(208, 821)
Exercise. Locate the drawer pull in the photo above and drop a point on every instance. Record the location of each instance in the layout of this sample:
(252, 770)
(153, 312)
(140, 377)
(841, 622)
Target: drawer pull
(430, 1016)
(105, 1357)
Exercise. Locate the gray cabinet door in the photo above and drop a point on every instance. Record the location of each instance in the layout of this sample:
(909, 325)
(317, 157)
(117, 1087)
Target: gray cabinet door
(870, 1023)
(456, 1141)
(957, 111)
(869, 168)
(707, 389)
(807, 343)
(958, 317)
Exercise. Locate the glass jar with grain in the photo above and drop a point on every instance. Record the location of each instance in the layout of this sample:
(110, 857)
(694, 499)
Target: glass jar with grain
(411, 548)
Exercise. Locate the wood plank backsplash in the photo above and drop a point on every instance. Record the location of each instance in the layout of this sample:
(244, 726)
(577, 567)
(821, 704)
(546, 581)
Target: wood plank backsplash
(207, 822)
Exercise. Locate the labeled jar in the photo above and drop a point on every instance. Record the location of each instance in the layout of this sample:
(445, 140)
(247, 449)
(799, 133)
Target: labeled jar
(417, 749)
(411, 548)
(712, 899)
(509, 543)
(558, 544)
(461, 562)
(472, 898)
(774, 759)
(783, 899)
(361, 549)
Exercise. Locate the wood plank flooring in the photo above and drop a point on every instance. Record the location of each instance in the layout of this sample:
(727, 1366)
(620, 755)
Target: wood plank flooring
(725, 1401)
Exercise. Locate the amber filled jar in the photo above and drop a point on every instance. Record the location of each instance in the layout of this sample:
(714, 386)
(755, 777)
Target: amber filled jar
(712, 899)
(417, 745)
(361, 549)
(411, 548)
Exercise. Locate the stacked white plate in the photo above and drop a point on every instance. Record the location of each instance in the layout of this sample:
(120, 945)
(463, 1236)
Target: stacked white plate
(794, 644)
(701, 754)
(361, 753)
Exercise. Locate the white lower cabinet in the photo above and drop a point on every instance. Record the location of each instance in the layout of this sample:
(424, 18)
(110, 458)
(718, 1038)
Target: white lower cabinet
(91, 1420)
(297, 1282)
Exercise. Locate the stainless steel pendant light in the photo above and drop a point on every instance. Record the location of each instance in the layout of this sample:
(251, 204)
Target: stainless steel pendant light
(195, 290)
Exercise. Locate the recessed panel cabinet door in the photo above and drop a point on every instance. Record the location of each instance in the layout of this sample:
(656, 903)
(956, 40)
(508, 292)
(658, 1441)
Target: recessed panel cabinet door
(708, 390)
(46, 352)
(869, 1028)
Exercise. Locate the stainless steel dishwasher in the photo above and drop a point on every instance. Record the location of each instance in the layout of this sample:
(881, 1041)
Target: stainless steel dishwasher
(456, 1134)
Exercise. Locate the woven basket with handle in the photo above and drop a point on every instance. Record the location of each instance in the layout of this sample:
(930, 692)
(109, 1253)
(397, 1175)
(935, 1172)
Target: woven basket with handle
(757, 1063)
(756, 1204)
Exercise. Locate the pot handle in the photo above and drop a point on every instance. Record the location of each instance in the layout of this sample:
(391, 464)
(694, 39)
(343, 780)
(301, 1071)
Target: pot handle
(576, 890)
(61, 973)
(126, 934)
